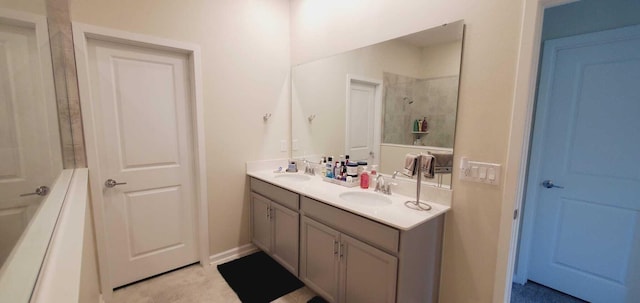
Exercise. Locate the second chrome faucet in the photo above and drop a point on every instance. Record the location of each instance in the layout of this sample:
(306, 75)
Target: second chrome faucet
(382, 186)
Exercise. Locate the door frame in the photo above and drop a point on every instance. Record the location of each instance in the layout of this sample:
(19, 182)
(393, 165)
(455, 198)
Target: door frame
(519, 143)
(377, 113)
(81, 33)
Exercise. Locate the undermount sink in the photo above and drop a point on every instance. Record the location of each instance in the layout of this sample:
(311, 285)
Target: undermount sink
(365, 198)
(293, 177)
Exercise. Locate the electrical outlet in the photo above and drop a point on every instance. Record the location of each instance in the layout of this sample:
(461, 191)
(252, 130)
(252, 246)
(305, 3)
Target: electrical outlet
(481, 172)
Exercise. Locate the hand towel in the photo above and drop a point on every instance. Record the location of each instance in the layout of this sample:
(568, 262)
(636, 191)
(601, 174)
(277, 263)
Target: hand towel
(427, 165)
(443, 162)
(409, 165)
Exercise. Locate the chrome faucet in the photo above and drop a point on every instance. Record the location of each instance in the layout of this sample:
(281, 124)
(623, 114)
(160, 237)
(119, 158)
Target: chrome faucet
(379, 183)
(382, 186)
(308, 168)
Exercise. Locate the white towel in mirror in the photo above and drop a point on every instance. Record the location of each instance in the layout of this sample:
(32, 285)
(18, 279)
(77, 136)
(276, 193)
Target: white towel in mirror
(410, 165)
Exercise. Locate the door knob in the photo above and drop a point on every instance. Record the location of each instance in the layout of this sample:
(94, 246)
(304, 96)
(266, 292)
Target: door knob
(40, 191)
(110, 183)
(549, 184)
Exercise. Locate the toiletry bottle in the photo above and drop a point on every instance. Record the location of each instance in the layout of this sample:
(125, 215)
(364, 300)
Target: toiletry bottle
(362, 166)
(352, 170)
(343, 171)
(416, 127)
(346, 159)
(323, 166)
(337, 170)
(364, 180)
(424, 124)
(420, 125)
(329, 167)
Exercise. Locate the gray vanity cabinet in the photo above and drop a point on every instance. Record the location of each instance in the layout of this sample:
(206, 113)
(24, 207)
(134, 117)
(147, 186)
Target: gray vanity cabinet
(342, 268)
(342, 256)
(275, 223)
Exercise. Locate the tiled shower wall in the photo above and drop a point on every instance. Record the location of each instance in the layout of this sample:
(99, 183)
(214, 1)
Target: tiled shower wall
(66, 84)
(435, 98)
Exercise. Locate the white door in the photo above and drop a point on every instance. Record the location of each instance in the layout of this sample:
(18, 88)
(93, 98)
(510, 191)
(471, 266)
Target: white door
(585, 171)
(30, 154)
(142, 114)
(361, 121)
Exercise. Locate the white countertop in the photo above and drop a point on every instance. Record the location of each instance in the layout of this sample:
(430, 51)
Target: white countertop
(396, 214)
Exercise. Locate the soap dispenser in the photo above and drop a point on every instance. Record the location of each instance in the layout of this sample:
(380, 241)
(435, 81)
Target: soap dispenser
(424, 124)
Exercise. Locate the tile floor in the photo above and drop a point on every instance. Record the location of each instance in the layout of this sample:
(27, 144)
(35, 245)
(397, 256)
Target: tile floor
(192, 284)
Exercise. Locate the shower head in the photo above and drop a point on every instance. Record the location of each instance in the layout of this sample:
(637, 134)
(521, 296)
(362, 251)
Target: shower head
(410, 101)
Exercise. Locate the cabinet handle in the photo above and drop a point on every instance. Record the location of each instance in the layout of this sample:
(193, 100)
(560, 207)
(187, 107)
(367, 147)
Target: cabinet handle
(268, 212)
(335, 247)
(341, 250)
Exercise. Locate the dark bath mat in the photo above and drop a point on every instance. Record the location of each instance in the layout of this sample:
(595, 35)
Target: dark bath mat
(257, 278)
(317, 299)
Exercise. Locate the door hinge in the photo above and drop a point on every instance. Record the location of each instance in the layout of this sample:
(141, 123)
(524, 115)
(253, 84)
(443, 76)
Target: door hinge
(515, 214)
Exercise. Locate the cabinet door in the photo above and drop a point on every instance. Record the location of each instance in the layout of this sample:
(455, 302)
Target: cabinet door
(319, 258)
(284, 249)
(367, 274)
(260, 222)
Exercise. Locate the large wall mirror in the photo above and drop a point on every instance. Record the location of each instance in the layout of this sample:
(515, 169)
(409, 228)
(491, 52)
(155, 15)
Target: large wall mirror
(382, 102)
(34, 127)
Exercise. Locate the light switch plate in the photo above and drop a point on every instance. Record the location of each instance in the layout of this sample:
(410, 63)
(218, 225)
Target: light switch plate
(481, 172)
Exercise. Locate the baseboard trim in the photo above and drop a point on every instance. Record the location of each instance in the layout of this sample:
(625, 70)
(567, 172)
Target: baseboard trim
(232, 254)
(518, 279)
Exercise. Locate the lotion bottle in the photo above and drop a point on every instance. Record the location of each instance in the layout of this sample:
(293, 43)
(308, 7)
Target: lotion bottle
(364, 180)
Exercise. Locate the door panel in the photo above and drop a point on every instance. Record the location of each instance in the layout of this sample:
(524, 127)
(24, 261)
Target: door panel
(286, 224)
(604, 221)
(260, 222)
(154, 220)
(142, 116)
(586, 140)
(145, 86)
(319, 258)
(366, 273)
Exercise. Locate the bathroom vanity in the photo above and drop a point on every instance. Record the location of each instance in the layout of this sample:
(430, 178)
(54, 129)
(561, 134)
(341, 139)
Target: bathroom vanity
(370, 248)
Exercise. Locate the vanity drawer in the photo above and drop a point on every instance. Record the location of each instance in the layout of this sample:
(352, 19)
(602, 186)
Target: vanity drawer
(366, 230)
(277, 194)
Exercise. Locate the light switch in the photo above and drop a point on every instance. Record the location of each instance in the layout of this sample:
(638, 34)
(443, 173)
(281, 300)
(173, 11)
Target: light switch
(491, 174)
(483, 172)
